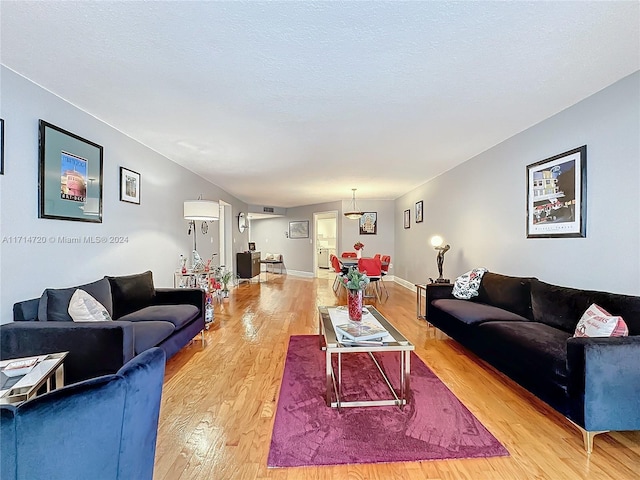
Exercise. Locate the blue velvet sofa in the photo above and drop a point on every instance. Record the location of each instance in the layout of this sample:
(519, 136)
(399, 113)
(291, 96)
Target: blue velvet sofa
(143, 317)
(524, 328)
(104, 428)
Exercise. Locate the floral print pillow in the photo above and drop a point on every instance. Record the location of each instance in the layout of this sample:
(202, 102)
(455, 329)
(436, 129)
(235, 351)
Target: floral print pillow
(467, 284)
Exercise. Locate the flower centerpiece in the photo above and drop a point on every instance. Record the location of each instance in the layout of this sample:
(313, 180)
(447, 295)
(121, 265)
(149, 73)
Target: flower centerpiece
(359, 246)
(355, 281)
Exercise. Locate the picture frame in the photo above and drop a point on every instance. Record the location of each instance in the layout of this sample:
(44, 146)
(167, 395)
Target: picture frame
(299, 229)
(129, 186)
(557, 196)
(1, 146)
(69, 176)
(419, 215)
(368, 223)
(407, 219)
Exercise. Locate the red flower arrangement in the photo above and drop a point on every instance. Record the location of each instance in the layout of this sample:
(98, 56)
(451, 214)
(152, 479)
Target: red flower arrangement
(358, 245)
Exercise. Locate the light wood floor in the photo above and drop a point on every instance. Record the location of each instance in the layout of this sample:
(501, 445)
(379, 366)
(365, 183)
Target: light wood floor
(219, 400)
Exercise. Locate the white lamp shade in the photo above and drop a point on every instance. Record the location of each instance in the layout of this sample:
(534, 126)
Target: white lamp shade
(201, 210)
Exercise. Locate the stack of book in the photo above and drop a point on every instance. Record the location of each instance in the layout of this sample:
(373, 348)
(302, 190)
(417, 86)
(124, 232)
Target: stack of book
(364, 333)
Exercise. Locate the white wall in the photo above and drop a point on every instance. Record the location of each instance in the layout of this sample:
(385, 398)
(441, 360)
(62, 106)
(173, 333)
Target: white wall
(155, 231)
(479, 207)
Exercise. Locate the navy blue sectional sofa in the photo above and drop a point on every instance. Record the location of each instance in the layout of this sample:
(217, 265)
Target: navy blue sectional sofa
(524, 328)
(143, 317)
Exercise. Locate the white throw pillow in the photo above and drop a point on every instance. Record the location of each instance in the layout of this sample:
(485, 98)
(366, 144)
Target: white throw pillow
(467, 284)
(597, 322)
(84, 308)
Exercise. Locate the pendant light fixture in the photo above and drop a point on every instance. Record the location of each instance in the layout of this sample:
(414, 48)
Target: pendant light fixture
(353, 213)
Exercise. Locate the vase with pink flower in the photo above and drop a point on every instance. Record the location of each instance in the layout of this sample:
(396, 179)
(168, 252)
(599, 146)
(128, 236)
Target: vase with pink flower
(359, 247)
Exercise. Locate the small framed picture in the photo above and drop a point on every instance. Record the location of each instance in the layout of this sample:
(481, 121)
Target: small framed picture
(557, 196)
(129, 186)
(419, 212)
(407, 219)
(369, 223)
(299, 229)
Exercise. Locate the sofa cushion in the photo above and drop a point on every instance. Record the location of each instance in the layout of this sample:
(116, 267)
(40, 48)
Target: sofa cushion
(509, 293)
(473, 313)
(597, 322)
(84, 308)
(54, 302)
(131, 293)
(531, 347)
(563, 306)
(150, 334)
(178, 315)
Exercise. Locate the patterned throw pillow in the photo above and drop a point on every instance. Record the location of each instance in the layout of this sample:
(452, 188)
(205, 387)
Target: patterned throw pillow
(84, 308)
(597, 322)
(467, 284)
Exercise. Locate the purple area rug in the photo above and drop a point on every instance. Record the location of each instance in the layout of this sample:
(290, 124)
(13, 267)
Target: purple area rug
(434, 425)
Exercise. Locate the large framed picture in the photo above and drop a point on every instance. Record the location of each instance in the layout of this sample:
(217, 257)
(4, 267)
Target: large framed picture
(407, 219)
(1, 146)
(129, 186)
(557, 195)
(299, 229)
(70, 176)
(419, 217)
(368, 223)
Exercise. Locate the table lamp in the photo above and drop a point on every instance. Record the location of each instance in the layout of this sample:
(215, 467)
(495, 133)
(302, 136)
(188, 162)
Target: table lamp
(436, 242)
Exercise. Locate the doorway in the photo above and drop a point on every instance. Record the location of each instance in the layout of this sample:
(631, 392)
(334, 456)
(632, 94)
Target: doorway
(226, 236)
(324, 242)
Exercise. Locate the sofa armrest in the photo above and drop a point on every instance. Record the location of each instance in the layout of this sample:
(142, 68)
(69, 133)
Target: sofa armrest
(95, 348)
(435, 292)
(603, 382)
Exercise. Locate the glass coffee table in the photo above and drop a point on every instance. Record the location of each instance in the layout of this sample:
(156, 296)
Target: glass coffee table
(328, 317)
(20, 388)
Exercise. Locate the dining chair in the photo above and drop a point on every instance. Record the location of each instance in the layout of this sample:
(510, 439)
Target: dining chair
(337, 268)
(349, 254)
(377, 255)
(373, 268)
(386, 261)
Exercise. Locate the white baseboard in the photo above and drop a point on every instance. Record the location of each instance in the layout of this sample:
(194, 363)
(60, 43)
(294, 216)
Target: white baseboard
(300, 273)
(402, 282)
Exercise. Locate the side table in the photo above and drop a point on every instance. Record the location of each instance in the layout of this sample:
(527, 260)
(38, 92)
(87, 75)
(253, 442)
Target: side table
(48, 367)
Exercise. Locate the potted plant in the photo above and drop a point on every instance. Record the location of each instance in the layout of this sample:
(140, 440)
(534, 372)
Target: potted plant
(359, 246)
(355, 281)
(225, 279)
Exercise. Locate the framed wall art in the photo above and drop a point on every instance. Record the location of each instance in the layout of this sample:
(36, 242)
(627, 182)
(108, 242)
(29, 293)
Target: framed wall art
(368, 223)
(299, 229)
(70, 176)
(129, 186)
(419, 217)
(407, 219)
(1, 146)
(557, 195)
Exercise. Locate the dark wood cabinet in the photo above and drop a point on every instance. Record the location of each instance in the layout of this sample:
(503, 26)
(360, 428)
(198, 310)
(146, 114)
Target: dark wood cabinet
(248, 264)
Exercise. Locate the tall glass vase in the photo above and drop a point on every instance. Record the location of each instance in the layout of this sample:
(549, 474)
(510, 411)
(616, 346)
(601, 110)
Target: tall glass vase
(354, 301)
(359, 253)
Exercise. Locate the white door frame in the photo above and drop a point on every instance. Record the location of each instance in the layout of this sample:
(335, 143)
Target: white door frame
(226, 235)
(316, 216)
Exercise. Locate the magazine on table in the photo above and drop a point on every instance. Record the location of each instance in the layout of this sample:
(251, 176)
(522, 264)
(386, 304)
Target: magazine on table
(361, 332)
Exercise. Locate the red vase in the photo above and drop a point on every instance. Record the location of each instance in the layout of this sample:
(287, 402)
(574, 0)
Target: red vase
(354, 301)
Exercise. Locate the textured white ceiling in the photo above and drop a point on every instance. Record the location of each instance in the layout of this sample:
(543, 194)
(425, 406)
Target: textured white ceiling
(294, 103)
